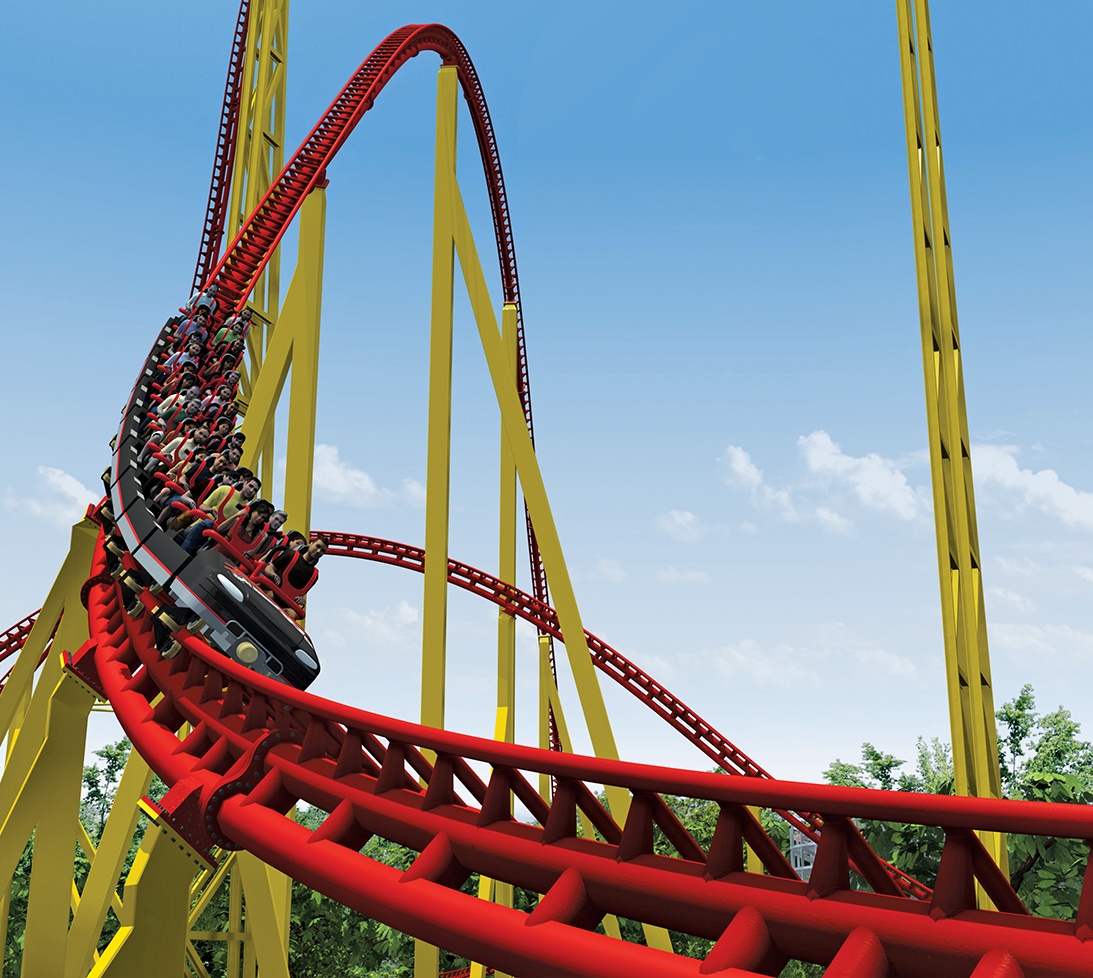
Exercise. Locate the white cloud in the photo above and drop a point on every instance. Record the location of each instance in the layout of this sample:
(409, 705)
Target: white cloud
(681, 526)
(832, 521)
(1085, 573)
(1009, 599)
(670, 575)
(880, 660)
(59, 498)
(996, 465)
(768, 666)
(392, 627)
(339, 482)
(1043, 640)
(744, 473)
(876, 481)
(610, 570)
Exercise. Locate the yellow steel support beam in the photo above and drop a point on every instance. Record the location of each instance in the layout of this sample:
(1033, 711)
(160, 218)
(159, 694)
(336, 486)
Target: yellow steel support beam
(267, 914)
(489, 889)
(260, 150)
(99, 891)
(506, 621)
(235, 924)
(155, 908)
(295, 344)
(531, 481)
(46, 725)
(51, 796)
(435, 593)
(546, 684)
(259, 158)
(72, 632)
(964, 626)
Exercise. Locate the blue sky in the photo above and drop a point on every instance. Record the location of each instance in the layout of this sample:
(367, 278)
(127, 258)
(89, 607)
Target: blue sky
(711, 218)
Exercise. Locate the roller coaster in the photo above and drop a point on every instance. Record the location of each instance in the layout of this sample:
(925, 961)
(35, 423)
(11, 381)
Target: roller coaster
(593, 837)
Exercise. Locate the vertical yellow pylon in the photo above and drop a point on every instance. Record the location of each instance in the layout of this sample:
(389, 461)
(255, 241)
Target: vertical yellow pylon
(435, 601)
(259, 157)
(964, 626)
(295, 344)
(506, 561)
(434, 615)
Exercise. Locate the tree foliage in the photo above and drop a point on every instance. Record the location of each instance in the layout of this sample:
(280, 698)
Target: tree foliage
(1040, 758)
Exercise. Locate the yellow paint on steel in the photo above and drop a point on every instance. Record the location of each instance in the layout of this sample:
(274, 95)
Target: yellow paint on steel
(72, 633)
(49, 800)
(267, 920)
(294, 344)
(155, 904)
(259, 158)
(302, 313)
(434, 615)
(506, 561)
(100, 888)
(546, 684)
(964, 626)
(260, 145)
(438, 458)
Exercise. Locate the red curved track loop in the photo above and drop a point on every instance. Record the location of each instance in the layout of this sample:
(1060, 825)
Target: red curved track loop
(13, 639)
(216, 212)
(247, 255)
(715, 745)
(257, 747)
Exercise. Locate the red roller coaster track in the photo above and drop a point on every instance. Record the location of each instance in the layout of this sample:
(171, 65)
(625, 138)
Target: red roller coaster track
(257, 747)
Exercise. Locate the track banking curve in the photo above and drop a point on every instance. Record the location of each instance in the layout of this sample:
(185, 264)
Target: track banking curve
(257, 746)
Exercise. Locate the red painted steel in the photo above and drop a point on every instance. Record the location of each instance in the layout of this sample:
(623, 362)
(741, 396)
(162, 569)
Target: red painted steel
(256, 747)
(247, 255)
(715, 745)
(13, 638)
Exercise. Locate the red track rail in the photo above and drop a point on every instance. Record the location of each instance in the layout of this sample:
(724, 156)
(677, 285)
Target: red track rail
(715, 745)
(242, 263)
(13, 639)
(257, 747)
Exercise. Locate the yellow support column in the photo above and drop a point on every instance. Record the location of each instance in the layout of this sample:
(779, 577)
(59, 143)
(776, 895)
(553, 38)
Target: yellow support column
(72, 632)
(434, 617)
(506, 621)
(259, 158)
(435, 600)
(155, 909)
(267, 920)
(531, 481)
(53, 794)
(964, 626)
(294, 344)
(99, 889)
(546, 683)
